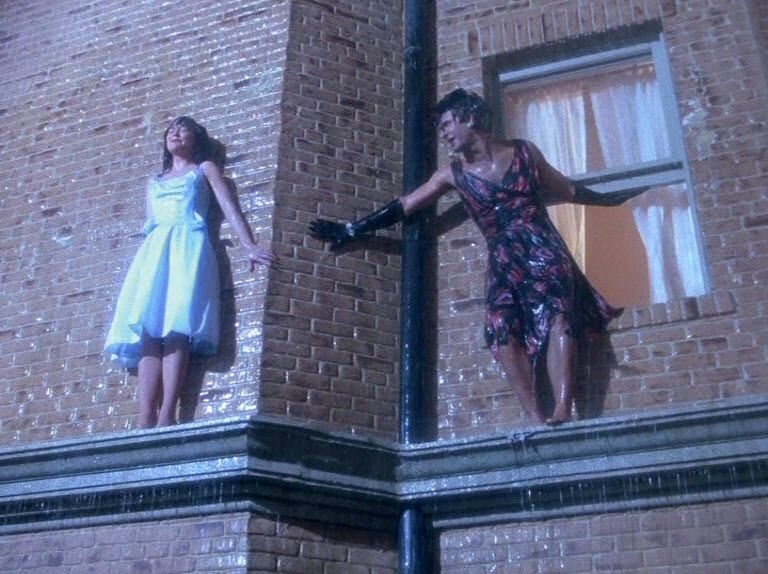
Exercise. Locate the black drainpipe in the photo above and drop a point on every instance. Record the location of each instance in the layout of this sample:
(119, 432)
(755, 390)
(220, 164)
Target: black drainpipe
(415, 536)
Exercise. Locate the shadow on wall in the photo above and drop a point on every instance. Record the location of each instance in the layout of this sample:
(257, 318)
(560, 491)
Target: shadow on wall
(596, 358)
(222, 361)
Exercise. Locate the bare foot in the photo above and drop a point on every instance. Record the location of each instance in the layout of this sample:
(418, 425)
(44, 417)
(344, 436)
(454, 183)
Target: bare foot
(559, 416)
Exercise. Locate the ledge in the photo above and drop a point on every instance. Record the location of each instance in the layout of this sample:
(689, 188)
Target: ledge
(675, 311)
(257, 464)
(712, 452)
(715, 451)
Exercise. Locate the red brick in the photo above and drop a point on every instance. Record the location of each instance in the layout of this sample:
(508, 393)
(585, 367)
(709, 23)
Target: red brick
(614, 524)
(339, 155)
(114, 224)
(730, 552)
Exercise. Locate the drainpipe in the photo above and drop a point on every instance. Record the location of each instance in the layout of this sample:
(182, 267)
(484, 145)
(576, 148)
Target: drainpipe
(415, 535)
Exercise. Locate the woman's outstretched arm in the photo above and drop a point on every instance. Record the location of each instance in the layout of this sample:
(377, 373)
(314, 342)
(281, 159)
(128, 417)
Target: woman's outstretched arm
(341, 233)
(557, 188)
(428, 193)
(234, 216)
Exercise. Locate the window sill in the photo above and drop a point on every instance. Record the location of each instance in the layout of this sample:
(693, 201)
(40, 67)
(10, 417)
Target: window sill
(686, 309)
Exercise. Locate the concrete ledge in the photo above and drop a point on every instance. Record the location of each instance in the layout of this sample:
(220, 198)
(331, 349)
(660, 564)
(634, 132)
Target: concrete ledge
(245, 463)
(711, 452)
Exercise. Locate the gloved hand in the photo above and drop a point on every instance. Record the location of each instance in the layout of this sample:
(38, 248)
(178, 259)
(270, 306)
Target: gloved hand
(337, 233)
(340, 233)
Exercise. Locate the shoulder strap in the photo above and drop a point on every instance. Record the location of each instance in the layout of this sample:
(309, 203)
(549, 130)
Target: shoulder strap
(457, 168)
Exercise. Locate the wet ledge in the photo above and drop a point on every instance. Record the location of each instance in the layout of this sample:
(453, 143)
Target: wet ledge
(716, 451)
(712, 452)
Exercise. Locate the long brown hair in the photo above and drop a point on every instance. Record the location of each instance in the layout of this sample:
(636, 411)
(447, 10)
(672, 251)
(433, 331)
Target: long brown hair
(203, 148)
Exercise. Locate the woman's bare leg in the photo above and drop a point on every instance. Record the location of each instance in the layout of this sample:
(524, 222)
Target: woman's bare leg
(561, 352)
(519, 372)
(175, 363)
(150, 381)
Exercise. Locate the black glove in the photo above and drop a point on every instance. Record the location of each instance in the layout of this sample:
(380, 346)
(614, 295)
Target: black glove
(341, 233)
(586, 196)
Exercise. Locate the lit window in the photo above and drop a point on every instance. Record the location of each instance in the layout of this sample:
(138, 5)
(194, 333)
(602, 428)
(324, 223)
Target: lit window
(608, 119)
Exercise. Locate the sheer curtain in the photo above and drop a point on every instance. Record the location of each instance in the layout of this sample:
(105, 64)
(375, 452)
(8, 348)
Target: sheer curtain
(566, 149)
(614, 119)
(630, 124)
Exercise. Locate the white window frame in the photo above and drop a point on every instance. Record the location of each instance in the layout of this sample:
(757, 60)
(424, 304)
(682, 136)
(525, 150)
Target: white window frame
(661, 172)
(667, 171)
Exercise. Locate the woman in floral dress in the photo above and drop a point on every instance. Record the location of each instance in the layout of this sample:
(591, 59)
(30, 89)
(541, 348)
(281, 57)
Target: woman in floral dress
(537, 300)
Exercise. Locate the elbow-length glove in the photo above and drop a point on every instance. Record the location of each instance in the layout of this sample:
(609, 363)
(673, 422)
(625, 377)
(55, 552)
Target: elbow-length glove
(341, 233)
(585, 196)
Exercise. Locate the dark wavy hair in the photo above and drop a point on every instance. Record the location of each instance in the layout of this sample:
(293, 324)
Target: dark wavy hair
(203, 145)
(464, 105)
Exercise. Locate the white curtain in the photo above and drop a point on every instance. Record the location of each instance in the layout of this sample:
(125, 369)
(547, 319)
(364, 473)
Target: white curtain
(629, 114)
(566, 150)
(623, 111)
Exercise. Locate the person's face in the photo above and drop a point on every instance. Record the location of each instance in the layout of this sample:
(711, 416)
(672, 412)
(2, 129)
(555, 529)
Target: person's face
(452, 131)
(180, 138)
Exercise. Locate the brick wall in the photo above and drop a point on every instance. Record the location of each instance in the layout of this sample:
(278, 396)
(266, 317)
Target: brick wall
(304, 547)
(716, 538)
(759, 17)
(220, 543)
(210, 544)
(88, 90)
(707, 348)
(332, 320)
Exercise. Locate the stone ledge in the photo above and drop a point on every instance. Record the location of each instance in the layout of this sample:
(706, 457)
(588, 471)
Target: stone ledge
(243, 462)
(709, 452)
(677, 310)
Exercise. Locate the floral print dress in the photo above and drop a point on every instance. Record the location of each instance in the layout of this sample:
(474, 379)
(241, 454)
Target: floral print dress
(531, 277)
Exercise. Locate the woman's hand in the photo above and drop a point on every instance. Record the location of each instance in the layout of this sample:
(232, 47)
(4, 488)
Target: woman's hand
(258, 255)
(231, 208)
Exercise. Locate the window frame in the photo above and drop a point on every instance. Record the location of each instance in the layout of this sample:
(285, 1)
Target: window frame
(660, 172)
(500, 73)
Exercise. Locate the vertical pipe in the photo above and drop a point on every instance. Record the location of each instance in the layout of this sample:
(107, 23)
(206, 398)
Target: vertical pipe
(415, 543)
(415, 532)
(415, 142)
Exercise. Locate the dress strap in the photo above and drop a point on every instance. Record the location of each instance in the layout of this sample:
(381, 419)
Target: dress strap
(457, 168)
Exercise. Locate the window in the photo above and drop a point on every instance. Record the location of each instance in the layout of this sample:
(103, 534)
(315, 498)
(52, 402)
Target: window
(608, 119)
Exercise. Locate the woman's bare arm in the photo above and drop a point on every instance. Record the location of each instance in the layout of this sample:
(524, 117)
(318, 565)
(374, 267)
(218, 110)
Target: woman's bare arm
(234, 216)
(557, 188)
(441, 182)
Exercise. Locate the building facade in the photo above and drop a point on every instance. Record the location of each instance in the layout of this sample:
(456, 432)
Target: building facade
(289, 461)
